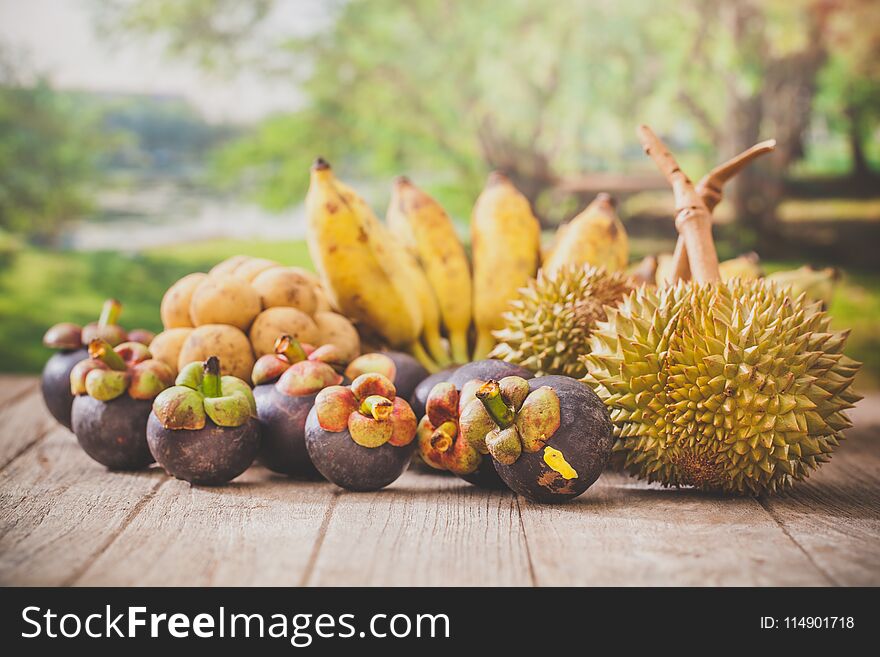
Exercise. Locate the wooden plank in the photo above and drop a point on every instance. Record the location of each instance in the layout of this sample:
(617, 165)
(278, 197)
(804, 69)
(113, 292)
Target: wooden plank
(259, 530)
(59, 509)
(622, 532)
(24, 420)
(13, 386)
(834, 516)
(423, 530)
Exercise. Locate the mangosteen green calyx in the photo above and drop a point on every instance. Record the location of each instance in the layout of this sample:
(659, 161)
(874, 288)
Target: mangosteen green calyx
(113, 392)
(401, 369)
(71, 342)
(441, 444)
(548, 437)
(360, 437)
(286, 384)
(204, 429)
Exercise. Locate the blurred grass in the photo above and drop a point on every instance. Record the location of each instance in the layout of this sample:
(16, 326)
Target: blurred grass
(39, 288)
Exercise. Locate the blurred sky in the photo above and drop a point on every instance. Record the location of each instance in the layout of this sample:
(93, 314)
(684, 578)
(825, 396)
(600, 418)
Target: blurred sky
(57, 37)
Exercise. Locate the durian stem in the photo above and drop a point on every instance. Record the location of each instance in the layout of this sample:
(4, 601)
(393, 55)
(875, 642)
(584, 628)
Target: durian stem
(443, 436)
(418, 351)
(101, 350)
(211, 386)
(458, 344)
(110, 313)
(490, 395)
(435, 346)
(692, 219)
(710, 188)
(289, 348)
(377, 407)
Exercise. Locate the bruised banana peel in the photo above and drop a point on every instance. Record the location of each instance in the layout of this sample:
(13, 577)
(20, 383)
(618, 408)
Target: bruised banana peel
(354, 269)
(426, 229)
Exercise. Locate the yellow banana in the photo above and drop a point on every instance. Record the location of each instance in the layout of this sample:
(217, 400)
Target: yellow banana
(353, 267)
(428, 232)
(594, 237)
(506, 240)
(406, 276)
(746, 267)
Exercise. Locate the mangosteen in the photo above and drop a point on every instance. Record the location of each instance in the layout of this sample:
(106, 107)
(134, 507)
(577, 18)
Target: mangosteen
(204, 429)
(285, 386)
(71, 341)
(402, 369)
(441, 444)
(113, 392)
(420, 395)
(549, 438)
(360, 437)
(55, 380)
(485, 370)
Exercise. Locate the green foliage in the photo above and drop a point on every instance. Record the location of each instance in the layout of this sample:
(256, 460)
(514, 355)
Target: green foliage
(47, 159)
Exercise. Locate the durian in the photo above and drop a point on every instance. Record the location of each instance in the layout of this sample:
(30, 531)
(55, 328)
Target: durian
(548, 326)
(733, 387)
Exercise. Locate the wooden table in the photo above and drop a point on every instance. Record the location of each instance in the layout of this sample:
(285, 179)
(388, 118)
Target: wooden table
(65, 520)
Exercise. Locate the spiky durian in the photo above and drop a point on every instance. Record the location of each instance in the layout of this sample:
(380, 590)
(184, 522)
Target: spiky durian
(734, 387)
(548, 327)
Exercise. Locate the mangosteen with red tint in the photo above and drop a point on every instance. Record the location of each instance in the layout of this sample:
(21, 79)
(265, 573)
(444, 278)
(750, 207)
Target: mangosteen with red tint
(113, 392)
(360, 437)
(420, 395)
(204, 429)
(441, 444)
(285, 386)
(404, 371)
(71, 342)
(549, 438)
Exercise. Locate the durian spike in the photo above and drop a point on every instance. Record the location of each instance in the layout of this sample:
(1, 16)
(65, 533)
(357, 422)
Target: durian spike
(692, 218)
(710, 189)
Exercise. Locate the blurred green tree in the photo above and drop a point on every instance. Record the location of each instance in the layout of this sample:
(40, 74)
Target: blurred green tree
(47, 157)
(451, 89)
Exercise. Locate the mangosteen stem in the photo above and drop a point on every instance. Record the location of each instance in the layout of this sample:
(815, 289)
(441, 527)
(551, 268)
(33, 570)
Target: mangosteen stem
(289, 348)
(110, 313)
(490, 395)
(443, 436)
(101, 350)
(377, 407)
(211, 382)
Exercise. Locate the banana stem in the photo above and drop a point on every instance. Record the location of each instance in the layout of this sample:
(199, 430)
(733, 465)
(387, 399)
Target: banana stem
(417, 350)
(710, 188)
(110, 313)
(458, 342)
(435, 346)
(692, 219)
(211, 386)
(490, 395)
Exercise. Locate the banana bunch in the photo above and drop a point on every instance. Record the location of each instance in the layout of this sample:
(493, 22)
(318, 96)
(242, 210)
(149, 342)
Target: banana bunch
(594, 237)
(506, 242)
(817, 284)
(365, 270)
(429, 235)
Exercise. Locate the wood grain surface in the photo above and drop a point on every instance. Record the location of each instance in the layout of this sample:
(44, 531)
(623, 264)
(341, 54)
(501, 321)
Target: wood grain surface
(65, 520)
